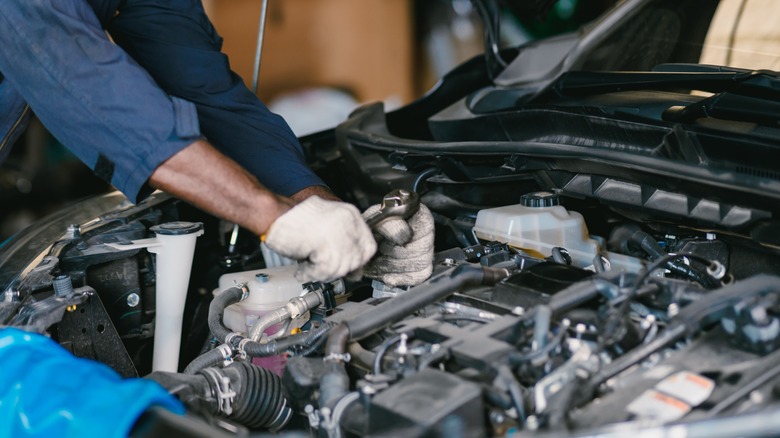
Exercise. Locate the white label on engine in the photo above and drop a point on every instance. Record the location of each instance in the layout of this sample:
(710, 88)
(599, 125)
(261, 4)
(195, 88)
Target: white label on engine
(689, 387)
(653, 405)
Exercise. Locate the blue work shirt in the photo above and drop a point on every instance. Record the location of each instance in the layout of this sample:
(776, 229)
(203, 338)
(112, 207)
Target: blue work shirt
(125, 108)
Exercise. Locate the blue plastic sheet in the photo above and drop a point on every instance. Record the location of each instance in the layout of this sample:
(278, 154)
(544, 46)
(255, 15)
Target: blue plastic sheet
(45, 391)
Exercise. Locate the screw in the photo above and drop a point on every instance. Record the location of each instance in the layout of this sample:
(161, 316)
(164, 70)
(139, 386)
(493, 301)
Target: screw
(62, 285)
(448, 262)
(133, 299)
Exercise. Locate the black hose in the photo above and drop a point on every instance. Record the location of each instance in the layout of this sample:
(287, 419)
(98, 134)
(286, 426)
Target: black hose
(272, 348)
(629, 236)
(423, 176)
(435, 289)
(315, 341)
(335, 382)
(256, 349)
(206, 360)
(460, 236)
(380, 353)
(217, 309)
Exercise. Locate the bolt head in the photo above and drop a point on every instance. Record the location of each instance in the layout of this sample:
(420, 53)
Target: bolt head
(133, 300)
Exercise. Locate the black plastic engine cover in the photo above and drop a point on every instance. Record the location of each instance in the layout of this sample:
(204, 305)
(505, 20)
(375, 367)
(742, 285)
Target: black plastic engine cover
(537, 284)
(430, 403)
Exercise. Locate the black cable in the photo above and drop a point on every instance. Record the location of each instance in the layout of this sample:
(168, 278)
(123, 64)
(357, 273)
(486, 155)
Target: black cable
(380, 353)
(423, 176)
(491, 21)
(314, 341)
(518, 359)
(622, 311)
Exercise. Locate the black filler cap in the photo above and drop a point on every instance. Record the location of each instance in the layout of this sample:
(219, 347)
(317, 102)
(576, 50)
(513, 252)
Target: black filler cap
(540, 199)
(177, 228)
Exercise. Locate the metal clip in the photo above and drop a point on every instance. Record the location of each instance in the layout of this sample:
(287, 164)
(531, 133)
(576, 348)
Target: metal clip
(335, 357)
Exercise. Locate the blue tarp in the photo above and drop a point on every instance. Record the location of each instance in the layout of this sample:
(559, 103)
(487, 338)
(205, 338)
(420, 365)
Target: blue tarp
(45, 391)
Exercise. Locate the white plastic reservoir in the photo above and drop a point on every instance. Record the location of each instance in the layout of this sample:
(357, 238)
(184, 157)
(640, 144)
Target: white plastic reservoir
(539, 225)
(269, 289)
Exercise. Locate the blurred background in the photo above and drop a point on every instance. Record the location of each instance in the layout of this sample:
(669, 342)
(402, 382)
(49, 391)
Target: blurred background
(321, 59)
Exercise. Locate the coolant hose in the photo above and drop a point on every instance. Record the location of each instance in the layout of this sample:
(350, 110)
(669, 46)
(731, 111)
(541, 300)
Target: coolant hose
(255, 349)
(335, 382)
(217, 309)
(205, 360)
(269, 319)
(295, 307)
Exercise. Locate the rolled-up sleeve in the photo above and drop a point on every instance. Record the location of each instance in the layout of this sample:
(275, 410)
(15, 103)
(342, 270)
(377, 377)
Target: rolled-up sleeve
(90, 94)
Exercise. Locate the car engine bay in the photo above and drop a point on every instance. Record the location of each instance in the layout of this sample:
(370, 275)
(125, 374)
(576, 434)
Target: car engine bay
(607, 261)
(535, 326)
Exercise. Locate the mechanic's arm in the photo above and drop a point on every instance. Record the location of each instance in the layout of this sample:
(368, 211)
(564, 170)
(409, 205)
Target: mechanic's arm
(329, 237)
(108, 111)
(225, 189)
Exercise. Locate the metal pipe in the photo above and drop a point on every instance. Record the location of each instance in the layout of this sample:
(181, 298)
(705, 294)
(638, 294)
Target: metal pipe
(259, 48)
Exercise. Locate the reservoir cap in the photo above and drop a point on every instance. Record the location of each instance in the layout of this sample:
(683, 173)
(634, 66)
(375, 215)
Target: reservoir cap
(177, 228)
(540, 199)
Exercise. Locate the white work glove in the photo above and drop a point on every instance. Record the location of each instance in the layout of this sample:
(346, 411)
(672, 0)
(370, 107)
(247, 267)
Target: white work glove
(330, 239)
(405, 256)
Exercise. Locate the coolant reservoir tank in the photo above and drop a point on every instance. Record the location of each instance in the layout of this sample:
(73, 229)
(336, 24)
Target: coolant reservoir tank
(538, 224)
(269, 289)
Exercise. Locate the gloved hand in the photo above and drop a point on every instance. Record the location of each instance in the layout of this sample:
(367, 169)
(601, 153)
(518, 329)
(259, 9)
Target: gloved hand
(330, 238)
(405, 256)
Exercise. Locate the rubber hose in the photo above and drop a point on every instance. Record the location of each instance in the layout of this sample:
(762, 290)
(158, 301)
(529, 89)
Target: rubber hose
(256, 349)
(209, 359)
(435, 289)
(217, 308)
(380, 353)
(335, 382)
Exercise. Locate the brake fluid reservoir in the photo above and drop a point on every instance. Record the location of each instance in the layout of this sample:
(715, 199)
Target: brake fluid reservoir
(269, 289)
(539, 224)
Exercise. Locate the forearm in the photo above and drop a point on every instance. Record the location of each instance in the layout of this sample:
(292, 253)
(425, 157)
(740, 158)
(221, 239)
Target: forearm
(202, 176)
(321, 191)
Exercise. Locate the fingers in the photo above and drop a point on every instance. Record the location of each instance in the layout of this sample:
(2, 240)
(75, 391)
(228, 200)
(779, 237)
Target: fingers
(408, 264)
(330, 238)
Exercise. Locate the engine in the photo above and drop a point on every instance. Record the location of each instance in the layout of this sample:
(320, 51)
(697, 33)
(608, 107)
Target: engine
(532, 325)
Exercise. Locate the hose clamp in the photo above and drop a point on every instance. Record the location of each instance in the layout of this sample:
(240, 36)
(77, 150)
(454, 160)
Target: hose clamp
(241, 345)
(230, 337)
(337, 357)
(227, 354)
(223, 391)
